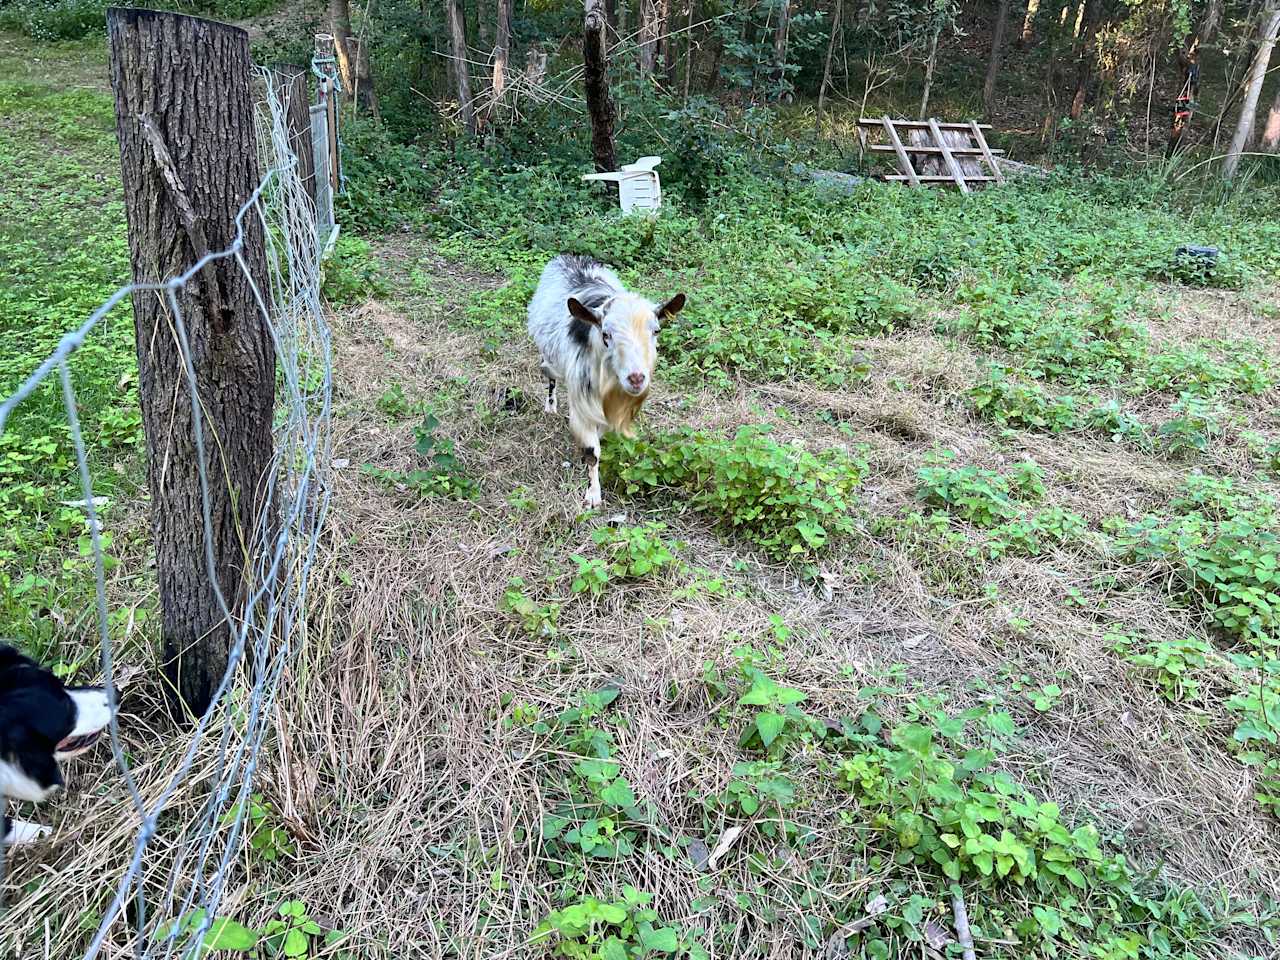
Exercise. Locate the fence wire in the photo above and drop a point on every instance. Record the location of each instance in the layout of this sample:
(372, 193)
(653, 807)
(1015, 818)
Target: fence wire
(169, 895)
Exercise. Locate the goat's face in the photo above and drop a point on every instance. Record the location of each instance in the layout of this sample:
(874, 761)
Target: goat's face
(629, 328)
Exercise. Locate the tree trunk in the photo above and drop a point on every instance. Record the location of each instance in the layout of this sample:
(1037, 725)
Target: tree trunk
(1258, 74)
(353, 60)
(1189, 67)
(997, 53)
(290, 81)
(1269, 142)
(188, 158)
(595, 63)
(688, 49)
(1091, 16)
(668, 44)
(458, 67)
(1050, 93)
(928, 73)
(1028, 22)
(780, 42)
(501, 48)
(836, 12)
(650, 27)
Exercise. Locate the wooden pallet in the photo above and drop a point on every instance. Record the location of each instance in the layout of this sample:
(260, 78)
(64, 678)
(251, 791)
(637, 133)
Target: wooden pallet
(961, 147)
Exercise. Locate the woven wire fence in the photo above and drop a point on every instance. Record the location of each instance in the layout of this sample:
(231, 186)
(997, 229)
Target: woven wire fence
(168, 896)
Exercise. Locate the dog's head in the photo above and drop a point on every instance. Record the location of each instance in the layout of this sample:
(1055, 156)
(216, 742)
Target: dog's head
(42, 722)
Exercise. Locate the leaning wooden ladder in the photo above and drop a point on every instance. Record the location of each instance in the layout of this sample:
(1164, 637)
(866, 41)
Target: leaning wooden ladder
(955, 157)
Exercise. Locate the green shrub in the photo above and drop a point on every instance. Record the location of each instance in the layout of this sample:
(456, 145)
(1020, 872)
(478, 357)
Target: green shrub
(1223, 551)
(352, 275)
(780, 497)
(983, 497)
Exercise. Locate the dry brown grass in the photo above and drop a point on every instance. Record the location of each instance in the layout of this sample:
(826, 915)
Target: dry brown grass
(415, 803)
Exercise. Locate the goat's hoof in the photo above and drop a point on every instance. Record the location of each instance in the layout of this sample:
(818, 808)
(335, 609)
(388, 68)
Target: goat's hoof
(593, 499)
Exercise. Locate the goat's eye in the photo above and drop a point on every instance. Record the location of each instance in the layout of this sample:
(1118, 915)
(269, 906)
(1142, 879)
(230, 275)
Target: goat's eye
(606, 338)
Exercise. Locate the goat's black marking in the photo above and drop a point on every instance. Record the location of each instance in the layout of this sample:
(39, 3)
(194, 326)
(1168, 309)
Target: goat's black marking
(585, 382)
(580, 333)
(551, 388)
(589, 456)
(580, 270)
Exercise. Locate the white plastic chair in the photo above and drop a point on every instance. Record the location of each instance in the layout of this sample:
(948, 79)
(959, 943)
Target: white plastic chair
(638, 185)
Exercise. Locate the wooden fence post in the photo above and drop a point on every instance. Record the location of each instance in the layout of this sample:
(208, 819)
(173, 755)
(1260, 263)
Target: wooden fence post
(189, 159)
(290, 81)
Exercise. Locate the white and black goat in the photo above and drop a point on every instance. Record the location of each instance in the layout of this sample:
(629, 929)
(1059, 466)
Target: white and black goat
(602, 342)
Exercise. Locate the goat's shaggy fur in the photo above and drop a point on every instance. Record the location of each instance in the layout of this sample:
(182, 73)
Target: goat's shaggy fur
(602, 342)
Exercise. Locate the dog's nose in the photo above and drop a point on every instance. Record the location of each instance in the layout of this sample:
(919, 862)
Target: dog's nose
(636, 380)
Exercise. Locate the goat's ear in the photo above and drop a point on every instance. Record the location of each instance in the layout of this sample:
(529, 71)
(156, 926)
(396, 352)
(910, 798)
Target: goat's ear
(582, 312)
(672, 306)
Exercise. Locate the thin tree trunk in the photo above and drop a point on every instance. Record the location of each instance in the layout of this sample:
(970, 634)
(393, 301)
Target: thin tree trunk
(595, 63)
(780, 42)
(997, 53)
(1091, 16)
(1050, 125)
(836, 13)
(668, 44)
(928, 73)
(1269, 142)
(188, 158)
(501, 49)
(1258, 74)
(688, 49)
(353, 60)
(650, 27)
(1028, 22)
(458, 63)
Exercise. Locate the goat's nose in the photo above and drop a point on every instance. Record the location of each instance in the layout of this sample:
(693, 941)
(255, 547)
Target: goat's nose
(636, 380)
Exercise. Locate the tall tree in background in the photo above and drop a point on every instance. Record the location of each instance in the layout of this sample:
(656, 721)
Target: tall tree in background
(353, 59)
(458, 68)
(650, 30)
(501, 48)
(1189, 70)
(837, 12)
(1028, 22)
(1270, 26)
(1269, 141)
(780, 41)
(595, 64)
(997, 53)
(1086, 53)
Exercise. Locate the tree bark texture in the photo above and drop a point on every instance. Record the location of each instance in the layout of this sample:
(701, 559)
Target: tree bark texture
(997, 54)
(1086, 54)
(1257, 75)
(1028, 22)
(291, 86)
(185, 123)
(595, 46)
(1269, 142)
(929, 66)
(780, 41)
(458, 66)
(501, 48)
(353, 60)
(650, 28)
(837, 12)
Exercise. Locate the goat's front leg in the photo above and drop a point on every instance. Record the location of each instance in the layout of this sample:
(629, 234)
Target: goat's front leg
(589, 441)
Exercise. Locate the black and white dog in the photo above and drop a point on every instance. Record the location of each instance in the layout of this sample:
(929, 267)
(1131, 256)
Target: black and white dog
(42, 722)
